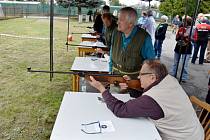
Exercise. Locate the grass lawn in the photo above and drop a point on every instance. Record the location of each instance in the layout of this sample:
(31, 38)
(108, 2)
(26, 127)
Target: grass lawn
(29, 102)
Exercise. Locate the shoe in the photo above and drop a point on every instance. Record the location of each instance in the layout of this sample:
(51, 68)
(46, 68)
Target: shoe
(206, 61)
(184, 81)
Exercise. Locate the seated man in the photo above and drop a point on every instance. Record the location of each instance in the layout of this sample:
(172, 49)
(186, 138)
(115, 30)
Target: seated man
(164, 102)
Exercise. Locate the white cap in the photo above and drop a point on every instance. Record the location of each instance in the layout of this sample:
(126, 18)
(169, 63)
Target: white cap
(164, 17)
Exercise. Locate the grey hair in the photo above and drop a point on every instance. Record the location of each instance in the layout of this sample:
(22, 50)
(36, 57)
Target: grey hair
(149, 13)
(158, 68)
(131, 14)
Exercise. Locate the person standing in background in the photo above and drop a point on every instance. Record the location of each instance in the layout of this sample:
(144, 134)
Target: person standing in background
(201, 40)
(183, 48)
(160, 34)
(142, 20)
(150, 25)
(175, 23)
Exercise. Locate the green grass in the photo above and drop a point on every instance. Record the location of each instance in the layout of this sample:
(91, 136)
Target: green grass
(29, 102)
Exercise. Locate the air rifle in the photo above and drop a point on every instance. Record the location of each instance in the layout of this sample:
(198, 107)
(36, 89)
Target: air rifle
(92, 33)
(84, 27)
(89, 46)
(102, 77)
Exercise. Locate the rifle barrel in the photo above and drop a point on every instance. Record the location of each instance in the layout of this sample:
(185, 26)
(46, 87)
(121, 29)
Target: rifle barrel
(102, 77)
(84, 27)
(75, 73)
(83, 33)
(103, 48)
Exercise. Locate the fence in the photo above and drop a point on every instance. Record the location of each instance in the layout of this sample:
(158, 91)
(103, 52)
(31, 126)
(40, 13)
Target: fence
(41, 9)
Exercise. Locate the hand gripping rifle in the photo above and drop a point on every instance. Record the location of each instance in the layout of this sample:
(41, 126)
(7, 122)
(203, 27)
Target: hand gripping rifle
(106, 78)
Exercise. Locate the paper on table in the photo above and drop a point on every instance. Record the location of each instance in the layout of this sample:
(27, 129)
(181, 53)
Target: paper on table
(93, 44)
(88, 36)
(109, 126)
(95, 128)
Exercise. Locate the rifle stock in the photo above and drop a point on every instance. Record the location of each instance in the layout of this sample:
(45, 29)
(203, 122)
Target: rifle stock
(132, 84)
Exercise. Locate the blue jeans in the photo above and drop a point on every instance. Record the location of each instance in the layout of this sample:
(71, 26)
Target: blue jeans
(185, 75)
(158, 47)
(198, 45)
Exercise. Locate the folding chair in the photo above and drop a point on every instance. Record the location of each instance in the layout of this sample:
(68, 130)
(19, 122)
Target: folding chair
(203, 111)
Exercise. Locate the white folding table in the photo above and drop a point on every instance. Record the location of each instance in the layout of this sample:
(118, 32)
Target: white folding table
(88, 64)
(89, 47)
(78, 108)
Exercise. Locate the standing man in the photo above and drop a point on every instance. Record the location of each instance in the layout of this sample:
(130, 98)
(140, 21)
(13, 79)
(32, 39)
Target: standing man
(175, 23)
(131, 45)
(160, 35)
(201, 40)
(183, 48)
(143, 19)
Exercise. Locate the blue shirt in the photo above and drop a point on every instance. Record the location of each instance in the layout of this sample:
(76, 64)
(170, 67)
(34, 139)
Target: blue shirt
(142, 20)
(147, 50)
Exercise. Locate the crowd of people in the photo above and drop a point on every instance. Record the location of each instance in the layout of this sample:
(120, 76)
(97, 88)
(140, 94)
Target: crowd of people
(135, 47)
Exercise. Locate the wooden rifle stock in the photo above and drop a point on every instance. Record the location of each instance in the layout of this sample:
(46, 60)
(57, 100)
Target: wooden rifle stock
(132, 84)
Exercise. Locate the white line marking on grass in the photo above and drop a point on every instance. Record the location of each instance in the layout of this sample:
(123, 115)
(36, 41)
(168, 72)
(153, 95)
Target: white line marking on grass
(25, 37)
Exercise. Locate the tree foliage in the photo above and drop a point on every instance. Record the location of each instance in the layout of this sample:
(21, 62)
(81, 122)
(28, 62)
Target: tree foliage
(115, 3)
(80, 3)
(178, 7)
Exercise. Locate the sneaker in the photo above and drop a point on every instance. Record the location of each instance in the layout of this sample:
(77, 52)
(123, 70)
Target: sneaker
(184, 81)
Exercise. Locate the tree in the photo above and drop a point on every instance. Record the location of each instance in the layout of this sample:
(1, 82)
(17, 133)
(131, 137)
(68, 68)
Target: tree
(80, 3)
(115, 3)
(205, 6)
(178, 7)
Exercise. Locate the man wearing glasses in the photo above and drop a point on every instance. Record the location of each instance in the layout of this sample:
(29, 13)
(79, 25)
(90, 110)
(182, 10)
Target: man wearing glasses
(163, 101)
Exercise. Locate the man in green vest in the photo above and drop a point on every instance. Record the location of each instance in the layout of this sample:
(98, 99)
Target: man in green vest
(131, 45)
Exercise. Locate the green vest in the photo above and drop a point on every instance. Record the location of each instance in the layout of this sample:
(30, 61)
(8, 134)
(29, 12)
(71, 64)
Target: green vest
(128, 61)
(109, 33)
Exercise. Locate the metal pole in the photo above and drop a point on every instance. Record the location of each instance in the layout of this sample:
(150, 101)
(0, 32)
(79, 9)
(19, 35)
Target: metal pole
(67, 46)
(184, 24)
(51, 37)
(149, 4)
(191, 28)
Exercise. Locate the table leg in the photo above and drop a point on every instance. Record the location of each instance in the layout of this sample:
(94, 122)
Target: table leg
(74, 83)
(77, 82)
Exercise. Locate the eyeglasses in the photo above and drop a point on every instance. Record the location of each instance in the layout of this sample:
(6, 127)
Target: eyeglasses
(146, 73)
(93, 124)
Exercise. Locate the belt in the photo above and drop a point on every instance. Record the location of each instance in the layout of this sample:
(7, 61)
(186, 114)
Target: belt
(126, 73)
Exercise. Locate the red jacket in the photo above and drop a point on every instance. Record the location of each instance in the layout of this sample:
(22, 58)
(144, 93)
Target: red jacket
(201, 32)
